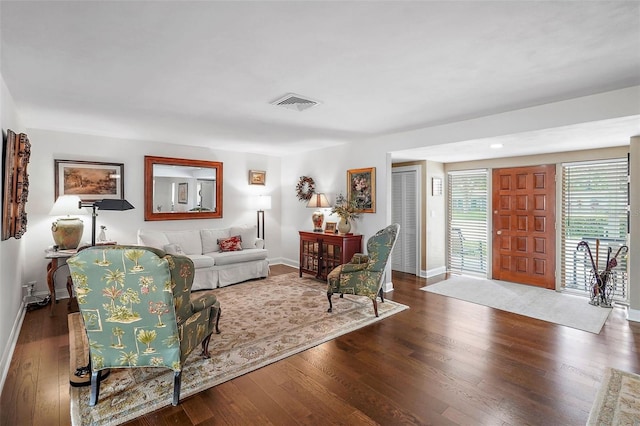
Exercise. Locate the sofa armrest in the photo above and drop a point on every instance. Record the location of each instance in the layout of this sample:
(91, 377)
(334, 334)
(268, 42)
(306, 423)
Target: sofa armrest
(203, 302)
(259, 243)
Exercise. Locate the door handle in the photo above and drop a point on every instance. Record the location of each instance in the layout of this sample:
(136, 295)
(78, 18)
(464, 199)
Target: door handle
(499, 232)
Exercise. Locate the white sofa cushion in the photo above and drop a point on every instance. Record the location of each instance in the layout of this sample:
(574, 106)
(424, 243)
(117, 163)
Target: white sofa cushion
(155, 239)
(173, 249)
(229, 257)
(248, 233)
(189, 240)
(201, 261)
(210, 238)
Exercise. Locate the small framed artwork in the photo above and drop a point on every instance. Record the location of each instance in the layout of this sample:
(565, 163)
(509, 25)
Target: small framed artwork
(330, 227)
(90, 180)
(183, 193)
(436, 186)
(361, 187)
(257, 177)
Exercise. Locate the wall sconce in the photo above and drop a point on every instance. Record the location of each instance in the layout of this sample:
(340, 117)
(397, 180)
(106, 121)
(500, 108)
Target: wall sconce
(319, 201)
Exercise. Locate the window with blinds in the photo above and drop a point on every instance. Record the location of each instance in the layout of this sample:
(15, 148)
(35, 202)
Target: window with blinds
(594, 207)
(467, 221)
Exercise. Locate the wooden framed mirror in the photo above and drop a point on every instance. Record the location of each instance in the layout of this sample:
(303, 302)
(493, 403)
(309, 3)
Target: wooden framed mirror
(177, 188)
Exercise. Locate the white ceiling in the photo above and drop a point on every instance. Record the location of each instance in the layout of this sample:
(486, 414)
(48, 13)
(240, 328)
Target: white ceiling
(205, 72)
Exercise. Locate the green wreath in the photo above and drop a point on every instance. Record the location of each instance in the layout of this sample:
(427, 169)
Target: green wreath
(305, 188)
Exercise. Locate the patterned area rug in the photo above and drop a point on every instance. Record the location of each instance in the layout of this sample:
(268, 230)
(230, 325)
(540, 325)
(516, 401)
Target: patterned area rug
(262, 322)
(618, 400)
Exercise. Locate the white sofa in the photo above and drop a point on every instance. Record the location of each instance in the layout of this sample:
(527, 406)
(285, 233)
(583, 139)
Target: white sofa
(213, 268)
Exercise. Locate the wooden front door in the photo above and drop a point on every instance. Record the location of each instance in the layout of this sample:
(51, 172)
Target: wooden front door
(524, 225)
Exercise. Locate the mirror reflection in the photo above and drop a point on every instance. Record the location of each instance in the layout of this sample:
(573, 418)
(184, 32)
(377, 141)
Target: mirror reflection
(182, 189)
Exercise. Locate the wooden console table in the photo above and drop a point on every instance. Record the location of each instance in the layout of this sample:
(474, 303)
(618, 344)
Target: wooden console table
(321, 252)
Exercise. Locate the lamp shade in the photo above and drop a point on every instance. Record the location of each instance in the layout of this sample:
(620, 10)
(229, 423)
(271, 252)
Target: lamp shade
(263, 202)
(67, 205)
(318, 200)
(111, 204)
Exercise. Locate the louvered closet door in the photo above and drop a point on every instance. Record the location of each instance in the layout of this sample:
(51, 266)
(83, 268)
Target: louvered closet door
(404, 212)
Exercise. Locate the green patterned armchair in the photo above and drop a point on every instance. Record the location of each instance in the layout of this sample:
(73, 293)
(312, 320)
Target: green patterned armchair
(363, 275)
(137, 310)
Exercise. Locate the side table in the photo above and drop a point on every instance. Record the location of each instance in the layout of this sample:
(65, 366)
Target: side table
(52, 267)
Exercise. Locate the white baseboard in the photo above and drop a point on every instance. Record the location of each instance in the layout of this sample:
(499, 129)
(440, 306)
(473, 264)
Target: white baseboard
(5, 363)
(434, 272)
(633, 315)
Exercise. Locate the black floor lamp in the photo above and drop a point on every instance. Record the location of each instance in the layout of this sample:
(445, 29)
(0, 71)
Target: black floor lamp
(106, 204)
(263, 203)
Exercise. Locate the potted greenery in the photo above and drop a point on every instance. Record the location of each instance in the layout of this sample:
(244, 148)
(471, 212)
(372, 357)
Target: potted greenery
(347, 210)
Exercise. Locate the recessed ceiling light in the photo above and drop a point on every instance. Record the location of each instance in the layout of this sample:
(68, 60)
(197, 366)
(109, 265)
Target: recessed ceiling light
(495, 146)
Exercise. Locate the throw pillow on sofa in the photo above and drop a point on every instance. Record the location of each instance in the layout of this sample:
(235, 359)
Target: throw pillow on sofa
(210, 238)
(230, 244)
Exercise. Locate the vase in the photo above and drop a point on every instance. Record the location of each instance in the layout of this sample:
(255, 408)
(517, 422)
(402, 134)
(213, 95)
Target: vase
(344, 227)
(67, 232)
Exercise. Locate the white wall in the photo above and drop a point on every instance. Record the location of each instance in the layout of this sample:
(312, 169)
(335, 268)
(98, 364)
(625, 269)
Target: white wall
(328, 168)
(436, 219)
(122, 226)
(11, 256)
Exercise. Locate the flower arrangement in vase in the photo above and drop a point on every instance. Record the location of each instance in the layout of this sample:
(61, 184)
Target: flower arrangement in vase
(347, 210)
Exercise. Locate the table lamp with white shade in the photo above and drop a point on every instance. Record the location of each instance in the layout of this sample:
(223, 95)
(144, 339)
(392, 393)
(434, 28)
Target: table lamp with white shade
(68, 228)
(318, 201)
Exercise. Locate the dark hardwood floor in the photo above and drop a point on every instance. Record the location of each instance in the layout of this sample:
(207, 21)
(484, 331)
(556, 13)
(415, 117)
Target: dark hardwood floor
(444, 361)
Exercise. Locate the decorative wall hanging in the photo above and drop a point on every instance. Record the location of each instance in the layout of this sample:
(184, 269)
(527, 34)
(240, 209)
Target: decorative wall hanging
(305, 188)
(257, 177)
(361, 188)
(89, 180)
(17, 151)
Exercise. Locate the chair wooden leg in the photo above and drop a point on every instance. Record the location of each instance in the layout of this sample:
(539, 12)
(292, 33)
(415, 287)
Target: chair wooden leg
(218, 320)
(177, 380)
(205, 347)
(330, 304)
(95, 388)
(375, 306)
(381, 295)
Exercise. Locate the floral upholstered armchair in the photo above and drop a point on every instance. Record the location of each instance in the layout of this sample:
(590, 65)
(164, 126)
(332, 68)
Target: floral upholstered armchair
(363, 275)
(137, 310)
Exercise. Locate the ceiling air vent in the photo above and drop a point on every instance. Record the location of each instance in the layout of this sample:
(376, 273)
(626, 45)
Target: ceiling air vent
(295, 102)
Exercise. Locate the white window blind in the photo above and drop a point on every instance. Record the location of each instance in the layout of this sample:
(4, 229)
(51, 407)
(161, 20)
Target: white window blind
(594, 206)
(467, 218)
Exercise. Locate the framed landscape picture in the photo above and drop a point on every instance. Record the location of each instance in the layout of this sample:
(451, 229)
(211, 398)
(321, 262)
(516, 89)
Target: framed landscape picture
(361, 187)
(257, 177)
(90, 180)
